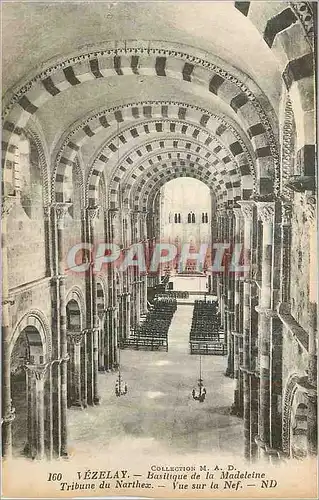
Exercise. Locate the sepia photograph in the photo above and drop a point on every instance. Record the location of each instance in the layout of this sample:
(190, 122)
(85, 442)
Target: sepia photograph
(159, 257)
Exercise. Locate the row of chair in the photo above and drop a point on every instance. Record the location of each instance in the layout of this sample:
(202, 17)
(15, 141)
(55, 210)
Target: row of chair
(152, 333)
(206, 320)
(206, 336)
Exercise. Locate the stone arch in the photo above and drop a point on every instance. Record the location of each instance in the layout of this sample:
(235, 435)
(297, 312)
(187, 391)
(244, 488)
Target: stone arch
(200, 120)
(293, 396)
(35, 319)
(83, 130)
(196, 137)
(196, 167)
(147, 191)
(280, 24)
(164, 62)
(233, 158)
(29, 359)
(101, 294)
(75, 294)
(177, 147)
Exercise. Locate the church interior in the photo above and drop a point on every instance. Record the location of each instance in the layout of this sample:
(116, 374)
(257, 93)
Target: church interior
(105, 106)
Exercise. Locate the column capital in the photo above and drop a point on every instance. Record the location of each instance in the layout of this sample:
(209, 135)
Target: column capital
(58, 278)
(9, 416)
(61, 210)
(308, 203)
(113, 213)
(8, 301)
(36, 370)
(76, 337)
(93, 212)
(247, 208)
(135, 214)
(266, 211)
(7, 203)
(143, 216)
(286, 213)
(237, 211)
(46, 212)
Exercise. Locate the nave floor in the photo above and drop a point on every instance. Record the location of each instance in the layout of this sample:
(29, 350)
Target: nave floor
(158, 416)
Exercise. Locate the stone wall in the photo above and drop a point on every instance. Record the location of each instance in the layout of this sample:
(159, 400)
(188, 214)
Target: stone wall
(300, 258)
(26, 247)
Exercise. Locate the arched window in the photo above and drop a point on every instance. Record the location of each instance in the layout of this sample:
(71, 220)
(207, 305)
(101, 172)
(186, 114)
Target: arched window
(193, 218)
(203, 217)
(175, 218)
(189, 218)
(179, 218)
(206, 217)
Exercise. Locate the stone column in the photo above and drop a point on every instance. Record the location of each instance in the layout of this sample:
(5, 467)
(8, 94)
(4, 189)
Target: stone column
(115, 226)
(309, 206)
(92, 214)
(266, 213)
(128, 315)
(84, 370)
(229, 294)
(106, 347)
(35, 432)
(236, 333)
(112, 337)
(247, 211)
(76, 339)
(61, 210)
(7, 410)
(134, 226)
(115, 336)
(101, 341)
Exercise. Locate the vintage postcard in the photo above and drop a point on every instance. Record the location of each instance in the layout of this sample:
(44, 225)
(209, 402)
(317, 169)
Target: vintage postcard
(159, 249)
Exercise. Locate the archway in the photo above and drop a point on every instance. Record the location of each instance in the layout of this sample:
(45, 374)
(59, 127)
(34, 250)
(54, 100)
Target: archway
(76, 350)
(27, 392)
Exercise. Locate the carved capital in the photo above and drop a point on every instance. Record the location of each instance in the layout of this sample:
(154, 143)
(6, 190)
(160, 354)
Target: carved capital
(265, 212)
(229, 212)
(46, 212)
(61, 210)
(237, 213)
(36, 371)
(9, 416)
(135, 215)
(7, 203)
(286, 213)
(8, 301)
(247, 208)
(58, 278)
(308, 203)
(75, 337)
(93, 212)
(114, 215)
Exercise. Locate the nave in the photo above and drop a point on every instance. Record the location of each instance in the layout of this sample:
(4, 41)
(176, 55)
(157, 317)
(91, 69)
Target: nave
(158, 415)
(96, 123)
